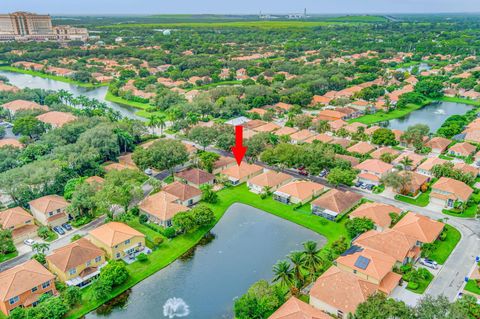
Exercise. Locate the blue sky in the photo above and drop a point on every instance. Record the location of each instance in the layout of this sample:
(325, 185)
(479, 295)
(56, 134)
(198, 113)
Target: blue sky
(237, 6)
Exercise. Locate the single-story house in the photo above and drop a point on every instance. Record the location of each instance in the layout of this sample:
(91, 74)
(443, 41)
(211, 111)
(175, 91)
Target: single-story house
(438, 144)
(301, 136)
(423, 229)
(426, 167)
(446, 191)
(238, 174)
(361, 148)
(379, 213)
(334, 203)
(269, 179)
(286, 130)
(466, 168)
(22, 105)
(377, 154)
(10, 142)
(416, 160)
(462, 149)
(49, 210)
(298, 192)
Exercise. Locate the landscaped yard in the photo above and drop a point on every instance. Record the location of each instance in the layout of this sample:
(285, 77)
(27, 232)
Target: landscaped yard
(381, 116)
(422, 284)
(422, 200)
(472, 287)
(443, 249)
(469, 212)
(8, 256)
(170, 250)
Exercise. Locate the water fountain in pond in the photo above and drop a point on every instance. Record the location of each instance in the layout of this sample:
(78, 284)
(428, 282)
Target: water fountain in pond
(175, 307)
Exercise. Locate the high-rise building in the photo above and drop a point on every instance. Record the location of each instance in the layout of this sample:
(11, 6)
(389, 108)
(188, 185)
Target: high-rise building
(38, 27)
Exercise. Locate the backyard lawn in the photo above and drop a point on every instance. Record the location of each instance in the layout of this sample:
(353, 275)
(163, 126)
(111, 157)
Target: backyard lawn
(8, 256)
(443, 249)
(422, 200)
(469, 212)
(170, 250)
(381, 116)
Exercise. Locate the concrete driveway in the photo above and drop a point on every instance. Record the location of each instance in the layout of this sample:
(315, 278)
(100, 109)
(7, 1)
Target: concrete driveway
(402, 294)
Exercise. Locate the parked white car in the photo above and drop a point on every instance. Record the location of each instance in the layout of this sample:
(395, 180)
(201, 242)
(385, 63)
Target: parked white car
(29, 242)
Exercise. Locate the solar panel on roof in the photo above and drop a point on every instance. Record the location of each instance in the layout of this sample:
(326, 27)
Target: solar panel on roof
(352, 250)
(362, 262)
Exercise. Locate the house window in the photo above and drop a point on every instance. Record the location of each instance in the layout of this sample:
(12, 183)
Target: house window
(71, 272)
(97, 259)
(340, 314)
(127, 241)
(34, 289)
(50, 214)
(118, 255)
(89, 263)
(46, 284)
(13, 300)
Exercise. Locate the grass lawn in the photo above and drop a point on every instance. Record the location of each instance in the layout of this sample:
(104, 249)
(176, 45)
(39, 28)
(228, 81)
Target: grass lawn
(469, 212)
(422, 200)
(8, 256)
(138, 105)
(459, 100)
(50, 76)
(422, 284)
(381, 116)
(472, 287)
(170, 250)
(51, 236)
(445, 157)
(443, 249)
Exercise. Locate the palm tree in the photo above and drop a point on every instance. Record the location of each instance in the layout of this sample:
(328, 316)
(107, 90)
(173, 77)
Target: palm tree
(406, 162)
(161, 122)
(312, 259)
(297, 259)
(152, 122)
(283, 274)
(40, 248)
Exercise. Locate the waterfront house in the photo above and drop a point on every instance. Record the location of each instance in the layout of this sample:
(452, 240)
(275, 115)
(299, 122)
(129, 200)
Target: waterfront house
(78, 263)
(270, 180)
(238, 174)
(161, 207)
(118, 240)
(24, 284)
(298, 192)
(296, 309)
(187, 195)
(379, 213)
(21, 105)
(195, 177)
(19, 222)
(49, 210)
(334, 203)
(446, 191)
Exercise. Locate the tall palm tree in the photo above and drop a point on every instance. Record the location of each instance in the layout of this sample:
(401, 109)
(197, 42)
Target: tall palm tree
(40, 248)
(312, 259)
(162, 122)
(152, 122)
(283, 273)
(406, 162)
(297, 259)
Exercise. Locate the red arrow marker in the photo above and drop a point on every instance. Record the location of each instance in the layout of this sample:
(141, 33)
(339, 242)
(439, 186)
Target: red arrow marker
(239, 150)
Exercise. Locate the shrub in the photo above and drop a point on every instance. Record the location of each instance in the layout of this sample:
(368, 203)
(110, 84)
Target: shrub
(142, 257)
(143, 219)
(169, 232)
(157, 241)
(135, 211)
(412, 285)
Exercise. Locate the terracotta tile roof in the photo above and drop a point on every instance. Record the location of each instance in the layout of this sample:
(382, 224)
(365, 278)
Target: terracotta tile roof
(302, 135)
(320, 99)
(430, 163)
(116, 166)
(372, 129)
(466, 168)
(336, 125)
(330, 115)
(390, 242)
(352, 159)
(95, 179)
(342, 290)
(353, 128)
(416, 180)
(253, 124)
(343, 142)
(223, 161)
(369, 177)
(162, 205)
(56, 118)
(242, 171)
(465, 149)
(450, 185)
(74, 254)
(20, 105)
(415, 158)
(420, 227)
(270, 179)
(324, 138)
(114, 233)
(379, 152)
(48, 203)
(297, 309)
(196, 176)
(361, 148)
(10, 142)
(337, 201)
(440, 143)
(301, 189)
(269, 127)
(182, 191)
(374, 165)
(285, 131)
(379, 213)
(379, 264)
(13, 217)
(473, 136)
(22, 278)
(283, 106)
(389, 282)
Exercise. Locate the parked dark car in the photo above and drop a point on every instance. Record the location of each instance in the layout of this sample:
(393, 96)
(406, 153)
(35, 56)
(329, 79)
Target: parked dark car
(67, 226)
(59, 230)
(370, 187)
(358, 184)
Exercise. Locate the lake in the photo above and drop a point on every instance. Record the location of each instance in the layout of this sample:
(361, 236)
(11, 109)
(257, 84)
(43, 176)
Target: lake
(433, 115)
(34, 82)
(242, 249)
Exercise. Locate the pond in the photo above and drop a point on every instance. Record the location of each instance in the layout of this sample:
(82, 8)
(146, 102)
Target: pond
(421, 67)
(34, 82)
(241, 249)
(433, 115)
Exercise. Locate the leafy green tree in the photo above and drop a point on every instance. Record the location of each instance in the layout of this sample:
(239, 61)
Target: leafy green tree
(162, 154)
(184, 222)
(259, 302)
(430, 307)
(70, 187)
(72, 296)
(29, 126)
(207, 160)
(430, 88)
(339, 176)
(6, 242)
(302, 121)
(356, 226)
(378, 306)
(283, 274)
(208, 194)
(384, 136)
(204, 136)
